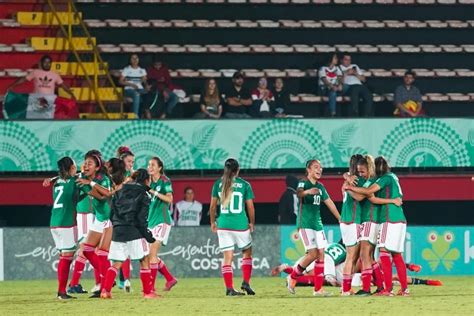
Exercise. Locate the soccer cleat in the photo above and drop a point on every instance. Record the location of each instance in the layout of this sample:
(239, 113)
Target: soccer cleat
(348, 293)
(96, 294)
(151, 295)
(434, 282)
(95, 288)
(322, 293)
(170, 285)
(291, 284)
(405, 292)
(65, 296)
(378, 290)
(363, 293)
(76, 289)
(127, 286)
(105, 295)
(384, 293)
(247, 289)
(232, 292)
(121, 285)
(414, 267)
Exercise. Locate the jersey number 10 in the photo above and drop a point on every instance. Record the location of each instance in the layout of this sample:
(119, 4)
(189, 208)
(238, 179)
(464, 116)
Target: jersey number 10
(317, 199)
(235, 204)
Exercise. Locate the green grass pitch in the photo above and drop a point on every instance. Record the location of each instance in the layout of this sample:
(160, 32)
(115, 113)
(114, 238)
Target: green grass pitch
(206, 296)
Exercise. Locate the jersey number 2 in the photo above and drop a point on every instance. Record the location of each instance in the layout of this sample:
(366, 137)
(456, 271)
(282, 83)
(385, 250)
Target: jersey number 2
(59, 191)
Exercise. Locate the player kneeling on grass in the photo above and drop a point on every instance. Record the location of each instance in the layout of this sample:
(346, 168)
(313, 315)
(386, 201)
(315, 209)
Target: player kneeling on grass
(233, 228)
(130, 235)
(63, 221)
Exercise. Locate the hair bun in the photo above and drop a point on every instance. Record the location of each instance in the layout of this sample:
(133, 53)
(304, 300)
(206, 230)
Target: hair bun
(124, 149)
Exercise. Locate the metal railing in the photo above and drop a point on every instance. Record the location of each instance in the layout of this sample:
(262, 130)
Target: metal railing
(98, 62)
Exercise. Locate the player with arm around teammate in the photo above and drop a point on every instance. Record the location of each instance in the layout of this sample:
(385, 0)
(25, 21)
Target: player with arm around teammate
(234, 196)
(310, 227)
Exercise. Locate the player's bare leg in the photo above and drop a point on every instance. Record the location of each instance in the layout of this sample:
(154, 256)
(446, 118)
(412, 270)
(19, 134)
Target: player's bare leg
(351, 258)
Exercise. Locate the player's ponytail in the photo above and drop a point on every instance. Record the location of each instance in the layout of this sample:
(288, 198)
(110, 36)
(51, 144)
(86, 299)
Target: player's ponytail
(231, 168)
(64, 166)
(370, 166)
(123, 152)
(381, 166)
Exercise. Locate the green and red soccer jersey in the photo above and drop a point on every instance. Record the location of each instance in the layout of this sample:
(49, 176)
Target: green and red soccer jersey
(101, 208)
(351, 208)
(309, 210)
(159, 211)
(369, 212)
(63, 213)
(390, 189)
(234, 215)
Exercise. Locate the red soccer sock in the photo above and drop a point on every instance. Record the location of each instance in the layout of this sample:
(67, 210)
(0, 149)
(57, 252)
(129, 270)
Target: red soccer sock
(246, 269)
(298, 271)
(79, 265)
(89, 253)
(154, 272)
(97, 276)
(305, 280)
(318, 274)
(228, 276)
(346, 282)
(377, 274)
(164, 271)
(63, 272)
(145, 277)
(288, 270)
(366, 279)
(104, 262)
(126, 269)
(109, 279)
(386, 269)
(401, 269)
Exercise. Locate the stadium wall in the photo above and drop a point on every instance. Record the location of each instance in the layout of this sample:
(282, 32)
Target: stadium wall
(194, 252)
(257, 144)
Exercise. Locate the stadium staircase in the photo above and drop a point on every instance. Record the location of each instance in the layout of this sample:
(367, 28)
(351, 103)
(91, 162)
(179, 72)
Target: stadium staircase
(31, 29)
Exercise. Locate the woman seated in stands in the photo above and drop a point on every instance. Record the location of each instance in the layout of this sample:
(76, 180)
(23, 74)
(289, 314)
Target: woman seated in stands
(210, 101)
(262, 99)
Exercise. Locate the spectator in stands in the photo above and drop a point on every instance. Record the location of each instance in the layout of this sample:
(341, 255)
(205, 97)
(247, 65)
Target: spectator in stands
(354, 79)
(134, 80)
(188, 212)
(160, 78)
(282, 98)
(330, 82)
(407, 98)
(262, 100)
(210, 101)
(238, 98)
(41, 103)
(288, 205)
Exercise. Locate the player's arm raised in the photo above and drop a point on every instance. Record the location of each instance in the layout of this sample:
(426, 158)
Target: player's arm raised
(332, 207)
(251, 213)
(212, 214)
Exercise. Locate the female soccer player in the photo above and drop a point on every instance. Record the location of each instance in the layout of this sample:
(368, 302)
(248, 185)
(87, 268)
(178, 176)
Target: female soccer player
(63, 221)
(124, 153)
(310, 193)
(130, 231)
(349, 225)
(392, 233)
(233, 227)
(159, 220)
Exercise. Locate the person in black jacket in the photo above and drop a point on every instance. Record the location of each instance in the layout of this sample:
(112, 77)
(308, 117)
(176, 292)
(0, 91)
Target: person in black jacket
(130, 237)
(287, 207)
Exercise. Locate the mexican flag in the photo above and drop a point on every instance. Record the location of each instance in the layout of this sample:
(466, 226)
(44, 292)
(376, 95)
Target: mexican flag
(37, 106)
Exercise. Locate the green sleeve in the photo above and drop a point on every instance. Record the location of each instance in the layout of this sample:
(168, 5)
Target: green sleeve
(215, 190)
(249, 193)
(324, 193)
(383, 181)
(168, 187)
(105, 182)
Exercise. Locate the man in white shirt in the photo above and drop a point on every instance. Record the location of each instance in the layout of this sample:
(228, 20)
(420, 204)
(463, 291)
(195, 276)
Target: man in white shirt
(133, 79)
(188, 212)
(354, 79)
